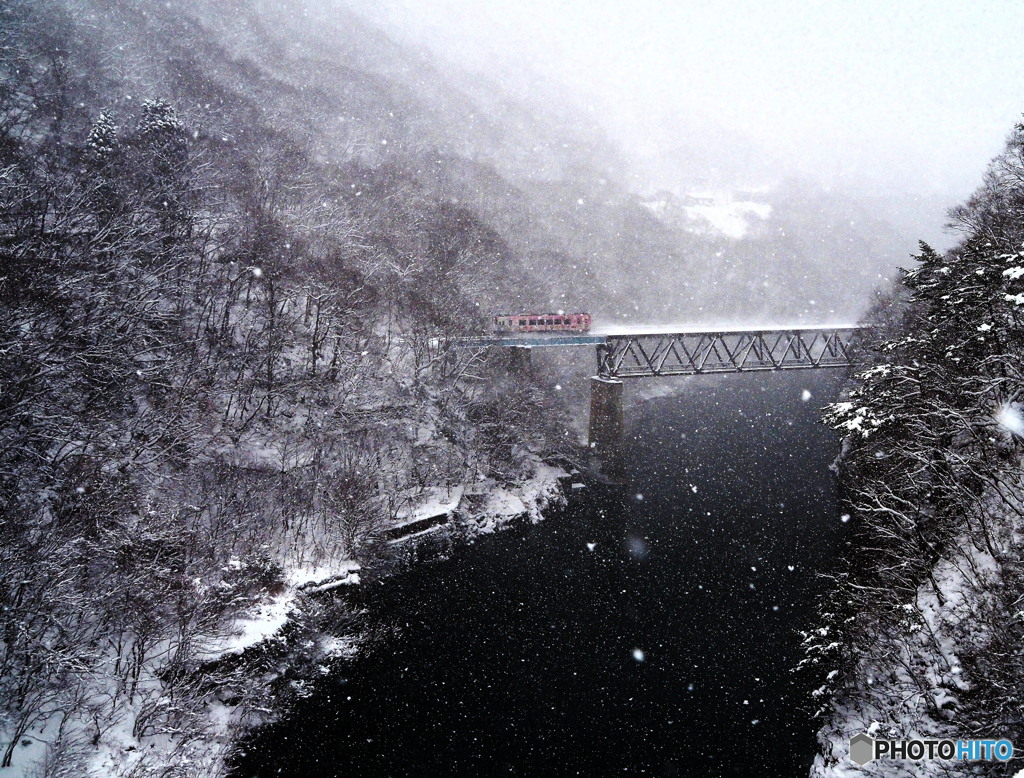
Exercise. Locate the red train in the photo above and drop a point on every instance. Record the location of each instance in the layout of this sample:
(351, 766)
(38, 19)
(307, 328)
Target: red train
(542, 322)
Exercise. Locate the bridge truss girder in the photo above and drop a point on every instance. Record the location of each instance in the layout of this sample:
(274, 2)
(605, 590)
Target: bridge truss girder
(696, 353)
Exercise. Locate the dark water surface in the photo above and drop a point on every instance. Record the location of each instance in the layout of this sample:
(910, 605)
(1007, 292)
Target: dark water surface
(647, 629)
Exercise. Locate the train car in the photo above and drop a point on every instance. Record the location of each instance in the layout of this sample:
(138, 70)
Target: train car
(542, 322)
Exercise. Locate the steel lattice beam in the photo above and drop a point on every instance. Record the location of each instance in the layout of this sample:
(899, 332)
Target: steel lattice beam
(694, 353)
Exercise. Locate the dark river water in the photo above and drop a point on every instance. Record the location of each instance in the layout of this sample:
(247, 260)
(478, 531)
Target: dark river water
(647, 629)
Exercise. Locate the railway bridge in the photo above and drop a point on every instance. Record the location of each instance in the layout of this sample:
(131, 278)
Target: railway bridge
(654, 351)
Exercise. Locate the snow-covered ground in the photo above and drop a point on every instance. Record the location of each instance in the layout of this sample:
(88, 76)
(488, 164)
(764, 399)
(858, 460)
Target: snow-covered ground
(498, 505)
(484, 506)
(428, 503)
(910, 687)
(472, 509)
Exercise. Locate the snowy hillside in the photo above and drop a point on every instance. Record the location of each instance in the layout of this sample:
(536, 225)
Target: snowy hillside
(920, 636)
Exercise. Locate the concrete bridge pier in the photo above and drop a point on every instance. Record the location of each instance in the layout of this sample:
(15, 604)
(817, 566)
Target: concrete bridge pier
(607, 424)
(520, 359)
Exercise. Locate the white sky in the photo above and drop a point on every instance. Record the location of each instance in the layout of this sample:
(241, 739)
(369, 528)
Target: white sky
(901, 92)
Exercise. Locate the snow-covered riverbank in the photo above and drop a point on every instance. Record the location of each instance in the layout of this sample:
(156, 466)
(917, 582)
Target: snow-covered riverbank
(270, 644)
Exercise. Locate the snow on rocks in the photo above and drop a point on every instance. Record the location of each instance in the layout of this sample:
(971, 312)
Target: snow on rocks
(906, 697)
(263, 621)
(490, 506)
(430, 503)
(323, 578)
(268, 617)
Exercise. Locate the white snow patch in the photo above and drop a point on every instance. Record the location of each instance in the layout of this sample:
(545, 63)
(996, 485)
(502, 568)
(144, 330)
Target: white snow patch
(349, 579)
(263, 622)
(488, 506)
(432, 501)
(1010, 419)
(305, 576)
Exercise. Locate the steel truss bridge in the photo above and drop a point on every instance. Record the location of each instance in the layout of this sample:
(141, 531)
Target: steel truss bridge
(649, 352)
(736, 351)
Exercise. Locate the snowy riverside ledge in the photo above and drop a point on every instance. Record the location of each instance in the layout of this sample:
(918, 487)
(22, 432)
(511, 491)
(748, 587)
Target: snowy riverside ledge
(440, 513)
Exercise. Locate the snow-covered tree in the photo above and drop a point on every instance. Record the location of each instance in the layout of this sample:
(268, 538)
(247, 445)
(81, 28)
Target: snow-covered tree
(915, 632)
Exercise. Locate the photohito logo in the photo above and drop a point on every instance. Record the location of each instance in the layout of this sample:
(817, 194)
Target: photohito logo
(864, 748)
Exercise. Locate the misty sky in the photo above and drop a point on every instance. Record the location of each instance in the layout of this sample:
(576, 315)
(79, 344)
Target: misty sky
(918, 95)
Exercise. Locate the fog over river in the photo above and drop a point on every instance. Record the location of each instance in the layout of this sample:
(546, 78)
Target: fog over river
(648, 628)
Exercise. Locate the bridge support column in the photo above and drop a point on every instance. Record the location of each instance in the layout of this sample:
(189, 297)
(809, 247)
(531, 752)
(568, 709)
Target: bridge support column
(520, 359)
(607, 423)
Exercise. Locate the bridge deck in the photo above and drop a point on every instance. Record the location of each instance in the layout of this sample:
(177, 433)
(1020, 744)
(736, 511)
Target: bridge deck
(639, 330)
(532, 340)
(602, 334)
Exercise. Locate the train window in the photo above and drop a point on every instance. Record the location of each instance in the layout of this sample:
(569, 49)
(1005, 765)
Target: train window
(522, 322)
(533, 322)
